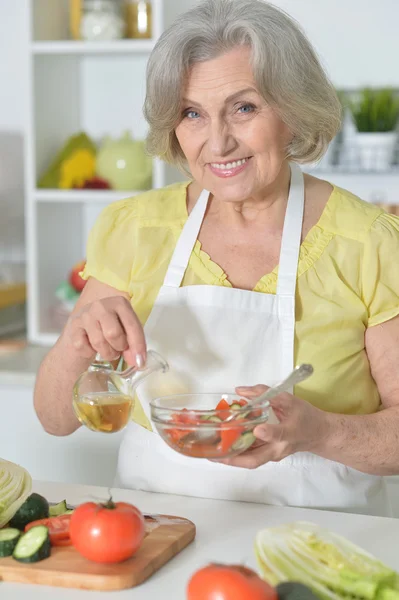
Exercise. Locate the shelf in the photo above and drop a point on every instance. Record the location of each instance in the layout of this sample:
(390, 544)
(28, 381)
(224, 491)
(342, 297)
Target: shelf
(94, 196)
(114, 47)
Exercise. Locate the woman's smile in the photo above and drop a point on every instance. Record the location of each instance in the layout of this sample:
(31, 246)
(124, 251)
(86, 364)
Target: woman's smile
(231, 168)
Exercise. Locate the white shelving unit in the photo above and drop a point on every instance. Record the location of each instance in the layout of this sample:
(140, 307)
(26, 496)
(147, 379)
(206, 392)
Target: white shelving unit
(74, 86)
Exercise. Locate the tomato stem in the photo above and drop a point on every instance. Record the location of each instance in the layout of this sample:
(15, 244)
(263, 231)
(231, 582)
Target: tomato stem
(110, 504)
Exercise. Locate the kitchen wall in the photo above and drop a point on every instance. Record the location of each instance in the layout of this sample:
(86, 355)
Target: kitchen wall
(357, 39)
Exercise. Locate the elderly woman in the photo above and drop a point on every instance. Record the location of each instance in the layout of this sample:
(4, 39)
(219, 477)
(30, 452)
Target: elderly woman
(244, 271)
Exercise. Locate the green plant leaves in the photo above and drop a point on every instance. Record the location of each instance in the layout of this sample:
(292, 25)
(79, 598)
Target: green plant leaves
(376, 110)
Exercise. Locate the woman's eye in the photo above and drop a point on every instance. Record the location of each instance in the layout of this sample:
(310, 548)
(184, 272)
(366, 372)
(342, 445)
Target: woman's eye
(246, 108)
(191, 114)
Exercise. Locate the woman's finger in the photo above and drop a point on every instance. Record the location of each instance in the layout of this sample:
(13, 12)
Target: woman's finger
(114, 332)
(81, 343)
(97, 339)
(251, 391)
(252, 458)
(137, 348)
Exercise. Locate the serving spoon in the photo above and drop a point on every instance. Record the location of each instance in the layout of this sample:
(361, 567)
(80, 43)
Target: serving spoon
(299, 374)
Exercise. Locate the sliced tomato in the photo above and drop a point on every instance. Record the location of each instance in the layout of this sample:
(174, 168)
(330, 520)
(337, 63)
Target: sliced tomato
(185, 417)
(58, 527)
(242, 402)
(223, 405)
(228, 437)
(224, 409)
(66, 542)
(255, 413)
(176, 434)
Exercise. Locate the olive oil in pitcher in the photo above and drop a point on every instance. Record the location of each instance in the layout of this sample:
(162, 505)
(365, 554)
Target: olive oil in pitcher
(103, 411)
(103, 399)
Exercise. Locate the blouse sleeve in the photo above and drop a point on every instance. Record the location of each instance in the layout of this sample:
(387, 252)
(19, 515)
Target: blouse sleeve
(380, 277)
(110, 250)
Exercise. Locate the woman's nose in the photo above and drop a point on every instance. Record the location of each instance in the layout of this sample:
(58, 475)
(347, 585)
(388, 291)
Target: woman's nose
(220, 141)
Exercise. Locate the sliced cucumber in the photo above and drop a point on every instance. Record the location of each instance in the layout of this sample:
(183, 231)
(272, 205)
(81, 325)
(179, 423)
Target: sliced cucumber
(243, 415)
(244, 441)
(211, 419)
(8, 540)
(32, 546)
(236, 406)
(58, 509)
(34, 508)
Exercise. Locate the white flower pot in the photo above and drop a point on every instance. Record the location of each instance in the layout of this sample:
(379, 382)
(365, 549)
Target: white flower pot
(375, 151)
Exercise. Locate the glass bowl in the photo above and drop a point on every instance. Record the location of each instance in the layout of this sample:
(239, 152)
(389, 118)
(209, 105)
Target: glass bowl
(212, 426)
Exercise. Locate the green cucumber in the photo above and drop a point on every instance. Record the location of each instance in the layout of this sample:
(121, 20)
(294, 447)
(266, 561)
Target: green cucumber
(8, 540)
(214, 419)
(293, 590)
(58, 509)
(211, 419)
(244, 441)
(34, 545)
(244, 415)
(34, 508)
(236, 406)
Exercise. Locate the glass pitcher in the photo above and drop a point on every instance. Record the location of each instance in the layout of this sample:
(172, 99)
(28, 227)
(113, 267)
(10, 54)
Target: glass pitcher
(103, 399)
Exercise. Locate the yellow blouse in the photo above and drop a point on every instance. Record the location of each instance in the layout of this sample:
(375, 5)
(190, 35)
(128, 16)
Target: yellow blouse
(348, 280)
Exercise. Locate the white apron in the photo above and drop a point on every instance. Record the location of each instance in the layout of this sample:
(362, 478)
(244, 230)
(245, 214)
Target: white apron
(220, 338)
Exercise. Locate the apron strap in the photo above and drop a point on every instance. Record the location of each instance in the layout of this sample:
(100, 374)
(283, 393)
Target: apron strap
(292, 232)
(290, 244)
(186, 243)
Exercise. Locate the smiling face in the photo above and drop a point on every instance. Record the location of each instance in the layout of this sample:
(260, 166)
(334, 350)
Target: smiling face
(234, 142)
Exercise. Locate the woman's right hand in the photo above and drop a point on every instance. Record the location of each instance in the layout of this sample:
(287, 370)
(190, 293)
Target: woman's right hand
(108, 326)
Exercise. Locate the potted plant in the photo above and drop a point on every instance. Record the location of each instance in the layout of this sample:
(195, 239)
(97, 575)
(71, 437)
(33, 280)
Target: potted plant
(375, 114)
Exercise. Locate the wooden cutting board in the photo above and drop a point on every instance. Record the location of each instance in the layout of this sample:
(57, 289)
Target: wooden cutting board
(166, 537)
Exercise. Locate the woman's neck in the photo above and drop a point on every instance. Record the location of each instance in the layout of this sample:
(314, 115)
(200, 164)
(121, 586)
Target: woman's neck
(267, 207)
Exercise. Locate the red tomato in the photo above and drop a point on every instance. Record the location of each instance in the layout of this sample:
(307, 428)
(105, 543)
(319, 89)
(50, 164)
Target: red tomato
(228, 582)
(107, 533)
(58, 528)
(75, 279)
(228, 437)
(186, 417)
(66, 542)
(176, 435)
(242, 402)
(223, 404)
(224, 408)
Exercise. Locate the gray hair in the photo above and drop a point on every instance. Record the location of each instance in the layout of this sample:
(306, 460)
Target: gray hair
(286, 69)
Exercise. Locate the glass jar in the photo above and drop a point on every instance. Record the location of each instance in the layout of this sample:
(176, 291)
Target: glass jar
(102, 20)
(139, 19)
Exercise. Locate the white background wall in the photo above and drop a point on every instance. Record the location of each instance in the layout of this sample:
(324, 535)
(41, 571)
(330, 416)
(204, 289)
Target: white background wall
(356, 39)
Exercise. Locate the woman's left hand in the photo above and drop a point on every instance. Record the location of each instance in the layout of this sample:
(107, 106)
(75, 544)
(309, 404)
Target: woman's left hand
(301, 428)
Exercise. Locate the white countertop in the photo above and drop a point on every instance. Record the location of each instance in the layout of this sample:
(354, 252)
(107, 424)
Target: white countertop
(20, 367)
(225, 533)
